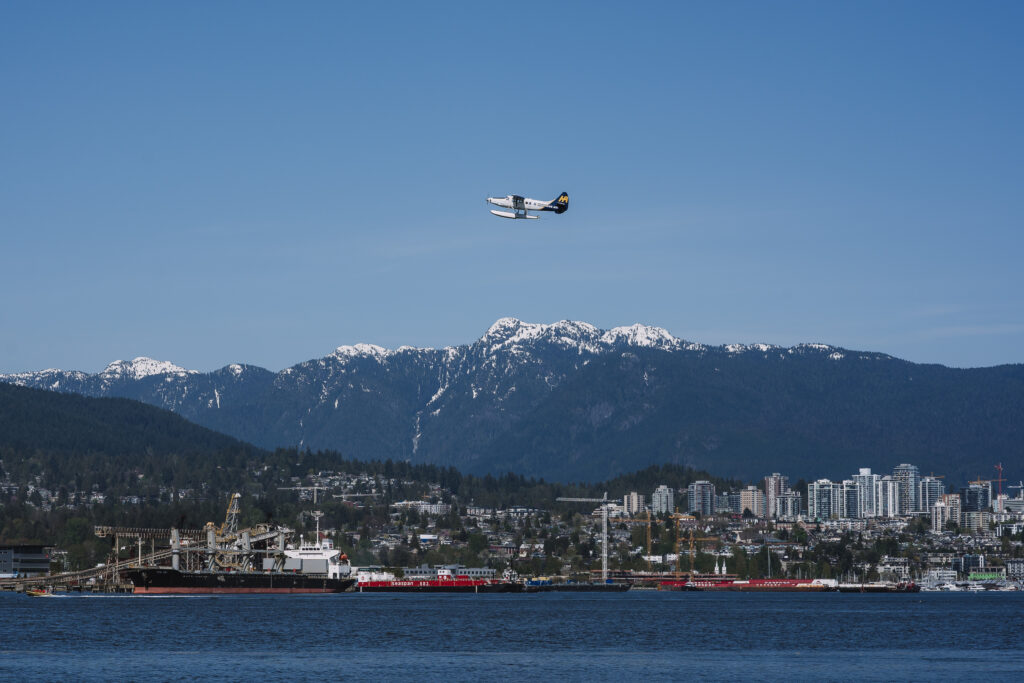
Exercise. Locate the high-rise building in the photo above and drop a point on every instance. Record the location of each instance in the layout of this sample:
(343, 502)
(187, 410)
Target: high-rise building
(775, 485)
(976, 496)
(931, 490)
(866, 483)
(753, 499)
(945, 510)
(700, 497)
(823, 499)
(788, 506)
(849, 501)
(910, 485)
(662, 500)
(888, 491)
(977, 522)
(633, 503)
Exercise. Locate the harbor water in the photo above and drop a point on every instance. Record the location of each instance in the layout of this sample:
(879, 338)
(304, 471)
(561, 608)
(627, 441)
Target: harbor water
(573, 636)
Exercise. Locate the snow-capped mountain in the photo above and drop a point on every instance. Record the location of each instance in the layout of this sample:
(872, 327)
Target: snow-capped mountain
(570, 400)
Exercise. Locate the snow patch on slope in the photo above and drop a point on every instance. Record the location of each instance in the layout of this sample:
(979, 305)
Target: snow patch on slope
(362, 351)
(141, 367)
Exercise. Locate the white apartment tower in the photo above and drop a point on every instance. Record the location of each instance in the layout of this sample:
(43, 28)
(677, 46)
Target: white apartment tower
(887, 497)
(910, 487)
(662, 500)
(700, 496)
(931, 490)
(633, 503)
(823, 499)
(866, 485)
(775, 485)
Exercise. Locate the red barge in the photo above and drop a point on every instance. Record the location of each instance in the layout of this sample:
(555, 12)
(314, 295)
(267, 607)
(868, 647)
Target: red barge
(445, 582)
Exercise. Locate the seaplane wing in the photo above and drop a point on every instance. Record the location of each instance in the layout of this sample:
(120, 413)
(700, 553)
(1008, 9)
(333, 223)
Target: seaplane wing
(521, 206)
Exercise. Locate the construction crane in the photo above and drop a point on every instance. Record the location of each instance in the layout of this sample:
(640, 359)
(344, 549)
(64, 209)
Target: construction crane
(999, 496)
(346, 496)
(604, 527)
(314, 489)
(693, 541)
(647, 521)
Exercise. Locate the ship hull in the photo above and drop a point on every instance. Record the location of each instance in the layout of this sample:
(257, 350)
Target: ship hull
(163, 581)
(438, 587)
(750, 586)
(879, 588)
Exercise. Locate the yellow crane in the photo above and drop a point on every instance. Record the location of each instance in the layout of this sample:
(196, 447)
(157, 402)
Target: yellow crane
(647, 521)
(604, 527)
(693, 539)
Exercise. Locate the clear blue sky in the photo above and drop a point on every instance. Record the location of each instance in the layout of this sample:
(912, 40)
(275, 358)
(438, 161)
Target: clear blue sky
(210, 183)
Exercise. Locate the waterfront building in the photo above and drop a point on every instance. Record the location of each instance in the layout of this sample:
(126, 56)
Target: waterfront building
(24, 560)
(788, 505)
(634, 503)
(968, 563)
(700, 496)
(909, 478)
(662, 500)
(939, 576)
(1015, 569)
(753, 499)
(930, 492)
(775, 485)
(887, 497)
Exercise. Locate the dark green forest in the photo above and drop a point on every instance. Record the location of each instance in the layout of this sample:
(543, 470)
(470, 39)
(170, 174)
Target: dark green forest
(180, 474)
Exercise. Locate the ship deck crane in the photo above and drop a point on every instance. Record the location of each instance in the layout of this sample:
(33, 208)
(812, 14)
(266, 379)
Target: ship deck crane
(604, 527)
(229, 529)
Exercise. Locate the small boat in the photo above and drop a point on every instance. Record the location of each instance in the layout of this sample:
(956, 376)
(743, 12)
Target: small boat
(45, 592)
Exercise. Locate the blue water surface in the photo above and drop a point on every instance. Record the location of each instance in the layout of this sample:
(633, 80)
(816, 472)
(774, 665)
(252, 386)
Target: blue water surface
(642, 635)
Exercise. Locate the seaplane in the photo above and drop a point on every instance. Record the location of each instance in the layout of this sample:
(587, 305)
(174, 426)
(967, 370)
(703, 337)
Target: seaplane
(522, 205)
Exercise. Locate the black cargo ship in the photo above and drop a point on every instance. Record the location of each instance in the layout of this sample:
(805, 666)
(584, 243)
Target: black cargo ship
(164, 581)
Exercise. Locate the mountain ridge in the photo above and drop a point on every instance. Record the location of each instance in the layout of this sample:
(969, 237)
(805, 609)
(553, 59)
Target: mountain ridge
(569, 400)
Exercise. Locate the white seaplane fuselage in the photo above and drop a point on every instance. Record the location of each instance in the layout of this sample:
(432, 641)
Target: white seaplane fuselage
(522, 205)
